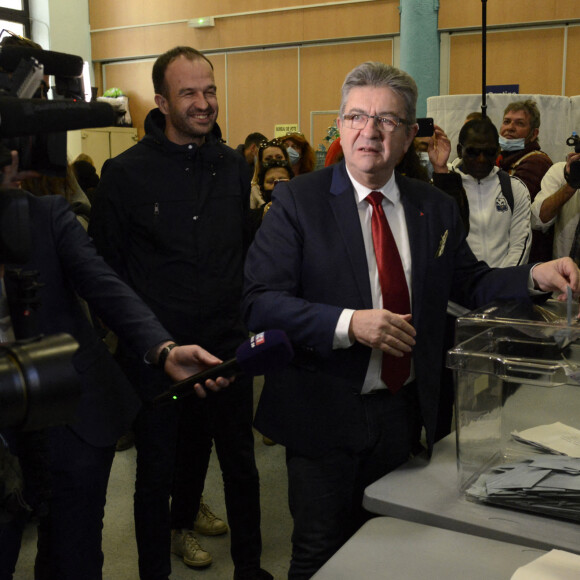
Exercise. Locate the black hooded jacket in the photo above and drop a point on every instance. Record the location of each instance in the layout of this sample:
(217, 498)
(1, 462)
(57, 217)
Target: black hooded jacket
(172, 221)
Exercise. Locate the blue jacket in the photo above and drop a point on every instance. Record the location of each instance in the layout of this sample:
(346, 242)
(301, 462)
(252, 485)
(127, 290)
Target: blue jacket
(68, 264)
(308, 263)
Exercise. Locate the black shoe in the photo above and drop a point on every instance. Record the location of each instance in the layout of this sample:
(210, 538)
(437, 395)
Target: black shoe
(253, 575)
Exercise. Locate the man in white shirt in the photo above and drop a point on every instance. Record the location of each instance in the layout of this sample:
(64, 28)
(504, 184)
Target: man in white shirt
(499, 205)
(558, 203)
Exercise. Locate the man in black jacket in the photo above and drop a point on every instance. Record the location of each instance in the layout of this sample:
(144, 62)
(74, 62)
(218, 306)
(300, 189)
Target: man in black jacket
(170, 217)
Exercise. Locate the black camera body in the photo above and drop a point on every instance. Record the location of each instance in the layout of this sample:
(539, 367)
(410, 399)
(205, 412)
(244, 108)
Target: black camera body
(573, 178)
(39, 386)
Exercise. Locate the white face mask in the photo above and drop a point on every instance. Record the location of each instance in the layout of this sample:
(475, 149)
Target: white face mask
(426, 163)
(293, 155)
(511, 144)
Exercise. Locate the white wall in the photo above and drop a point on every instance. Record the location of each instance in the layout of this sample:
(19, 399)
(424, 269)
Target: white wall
(63, 26)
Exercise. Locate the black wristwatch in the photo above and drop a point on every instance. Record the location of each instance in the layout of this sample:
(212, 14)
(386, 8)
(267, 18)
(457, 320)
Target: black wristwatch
(161, 360)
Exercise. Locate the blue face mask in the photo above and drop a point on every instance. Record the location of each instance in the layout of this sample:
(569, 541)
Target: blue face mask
(511, 144)
(293, 155)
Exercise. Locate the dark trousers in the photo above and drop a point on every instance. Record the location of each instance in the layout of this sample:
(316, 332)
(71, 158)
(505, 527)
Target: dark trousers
(187, 429)
(69, 537)
(227, 420)
(155, 439)
(326, 493)
(10, 540)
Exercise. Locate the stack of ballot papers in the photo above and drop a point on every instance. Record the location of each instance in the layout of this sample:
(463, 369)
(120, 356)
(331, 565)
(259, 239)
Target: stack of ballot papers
(547, 482)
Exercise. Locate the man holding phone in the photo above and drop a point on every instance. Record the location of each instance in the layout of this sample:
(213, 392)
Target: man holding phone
(421, 142)
(497, 205)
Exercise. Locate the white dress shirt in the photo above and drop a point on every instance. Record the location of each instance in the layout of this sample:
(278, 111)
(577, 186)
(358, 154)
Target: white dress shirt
(395, 214)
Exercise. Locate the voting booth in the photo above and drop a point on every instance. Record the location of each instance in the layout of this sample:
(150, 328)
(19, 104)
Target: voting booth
(517, 381)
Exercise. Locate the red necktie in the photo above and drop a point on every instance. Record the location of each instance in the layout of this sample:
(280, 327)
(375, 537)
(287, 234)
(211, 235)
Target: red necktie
(395, 370)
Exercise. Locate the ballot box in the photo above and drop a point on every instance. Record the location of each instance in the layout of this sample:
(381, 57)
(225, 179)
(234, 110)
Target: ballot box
(517, 383)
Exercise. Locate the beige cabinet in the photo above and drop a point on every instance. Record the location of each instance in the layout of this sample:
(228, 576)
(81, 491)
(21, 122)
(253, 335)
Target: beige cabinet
(100, 144)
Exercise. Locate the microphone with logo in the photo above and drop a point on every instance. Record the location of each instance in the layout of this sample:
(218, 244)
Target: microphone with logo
(263, 353)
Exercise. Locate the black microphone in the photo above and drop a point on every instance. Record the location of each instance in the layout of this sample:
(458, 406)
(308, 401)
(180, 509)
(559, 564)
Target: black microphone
(263, 353)
(21, 117)
(55, 63)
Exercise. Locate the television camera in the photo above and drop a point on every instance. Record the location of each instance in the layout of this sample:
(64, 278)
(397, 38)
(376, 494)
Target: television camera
(38, 383)
(573, 178)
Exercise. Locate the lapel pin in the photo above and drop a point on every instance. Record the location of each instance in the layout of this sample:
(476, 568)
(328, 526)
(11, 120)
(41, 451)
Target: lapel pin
(442, 244)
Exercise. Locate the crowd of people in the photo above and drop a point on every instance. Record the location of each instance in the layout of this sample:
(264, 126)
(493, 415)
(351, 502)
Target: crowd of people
(195, 243)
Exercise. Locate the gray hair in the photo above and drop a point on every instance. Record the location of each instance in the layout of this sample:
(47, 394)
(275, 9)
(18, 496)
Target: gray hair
(378, 74)
(529, 107)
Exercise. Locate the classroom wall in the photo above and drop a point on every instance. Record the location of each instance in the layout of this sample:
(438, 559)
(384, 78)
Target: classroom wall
(284, 62)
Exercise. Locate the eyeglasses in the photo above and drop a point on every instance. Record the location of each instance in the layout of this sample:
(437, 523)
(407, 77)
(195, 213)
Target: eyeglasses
(385, 123)
(474, 152)
(275, 163)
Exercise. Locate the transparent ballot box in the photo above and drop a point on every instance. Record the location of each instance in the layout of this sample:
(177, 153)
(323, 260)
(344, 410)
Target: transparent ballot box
(517, 398)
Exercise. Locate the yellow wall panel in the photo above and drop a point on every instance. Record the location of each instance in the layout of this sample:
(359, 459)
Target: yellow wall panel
(530, 58)
(262, 92)
(134, 79)
(112, 13)
(572, 76)
(323, 69)
(108, 13)
(454, 14)
(144, 42)
(355, 20)
(351, 21)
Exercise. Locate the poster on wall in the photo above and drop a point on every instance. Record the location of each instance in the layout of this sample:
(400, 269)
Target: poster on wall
(502, 89)
(284, 128)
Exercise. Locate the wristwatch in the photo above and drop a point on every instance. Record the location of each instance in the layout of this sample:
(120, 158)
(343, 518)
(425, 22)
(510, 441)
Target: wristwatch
(161, 360)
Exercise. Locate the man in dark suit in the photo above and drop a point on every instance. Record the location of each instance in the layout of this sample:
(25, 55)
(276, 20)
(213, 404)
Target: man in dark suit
(79, 455)
(312, 271)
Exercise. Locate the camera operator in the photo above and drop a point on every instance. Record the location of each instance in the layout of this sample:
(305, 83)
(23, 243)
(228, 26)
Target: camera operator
(558, 203)
(80, 454)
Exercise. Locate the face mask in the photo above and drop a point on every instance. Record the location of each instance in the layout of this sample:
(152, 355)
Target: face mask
(424, 160)
(511, 144)
(293, 155)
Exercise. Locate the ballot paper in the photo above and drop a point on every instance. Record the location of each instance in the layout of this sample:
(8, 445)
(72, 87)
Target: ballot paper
(555, 565)
(548, 484)
(555, 438)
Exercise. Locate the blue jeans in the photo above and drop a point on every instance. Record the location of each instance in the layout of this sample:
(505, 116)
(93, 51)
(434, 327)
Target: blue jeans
(326, 493)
